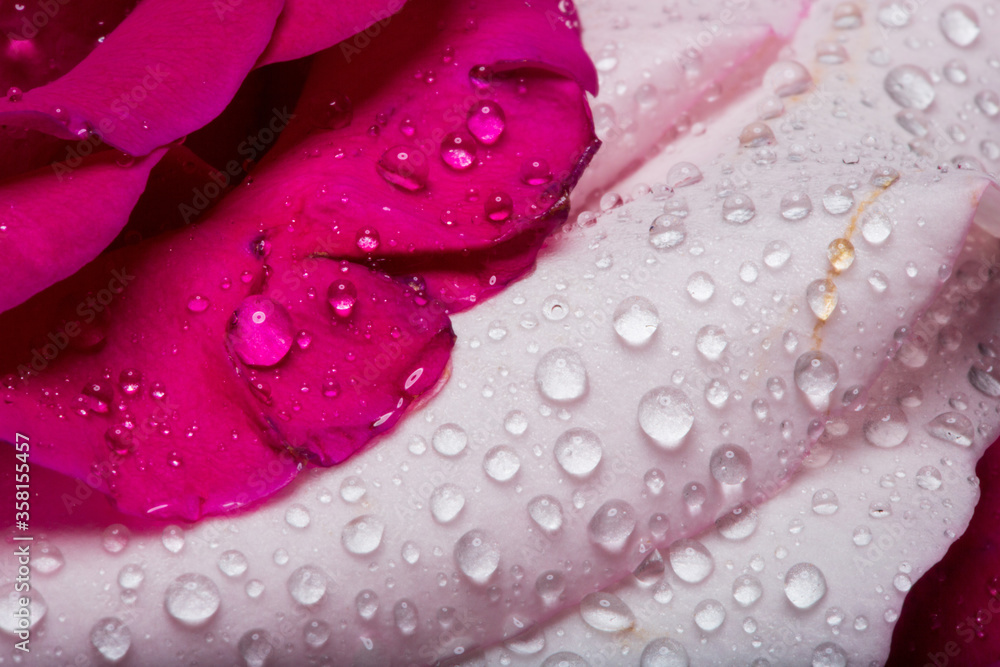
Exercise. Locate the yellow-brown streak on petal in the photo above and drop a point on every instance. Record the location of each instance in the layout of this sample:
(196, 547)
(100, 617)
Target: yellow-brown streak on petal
(831, 272)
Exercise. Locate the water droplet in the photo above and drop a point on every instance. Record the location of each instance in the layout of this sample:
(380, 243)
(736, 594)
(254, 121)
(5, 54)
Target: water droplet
(988, 102)
(535, 171)
(821, 295)
(337, 113)
(405, 167)
(367, 240)
(886, 426)
(667, 232)
(112, 638)
(738, 524)
(446, 502)
(486, 122)
(578, 451)
(115, 538)
(829, 654)
(909, 87)
(458, 150)
(711, 341)
(824, 502)
(837, 200)
(366, 603)
(683, 174)
(959, 24)
(876, 226)
(666, 415)
(847, 16)
(561, 376)
(777, 254)
(550, 586)
(664, 652)
(449, 440)
(612, 525)
(700, 286)
(316, 633)
(747, 589)
(884, 177)
(565, 659)
(501, 463)
(362, 535)
(606, 612)
(730, 464)
(405, 616)
(233, 563)
(261, 332)
(297, 516)
(477, 556)
(840, 252)
(173, 539)
(516, 422)
(342, 296)
(353, 489)
(757, 134)
(788, 77)
(636, 320)
(192, 599)
(709, 615)
(498, 206)
(805, 585)
(690, 560)
(546, 512)
(795, 206)
(816, 376)
(738, 209)
(953, 427)
(307, 585)
(929, 478)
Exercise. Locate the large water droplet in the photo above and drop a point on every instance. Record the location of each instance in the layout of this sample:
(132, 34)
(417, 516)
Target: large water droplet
(683, 174)
(477, 556)
(261, 332)
(909, 87)
(307, 585)
(738, 524)
(876, 226)
(953, 427)
(458, 150)
(840, 252)
(363, 535)
(821, 295)
(667, 232)
(486, 122)
(501, 463)
(690, 560)
(449, 440)
(256, 646)
(173, 539)
(886, 426)
(112, 638)
(829, 654)
(788, 77)
(711, 341)
(446, 503)
(959, 24)
(405, 616)
(561, 376)
(805, 585)
(233, 563)
(405, 167)
(757, 134)
(795, 206)
(366, 602)
(578, 451)
(664, 652)
(730, 464)
(747, 589)
(816, 376)
(565, 659)
(342, 296)
(837, 200)
(738, 209)
(498, 207)
(636, 320)
(666, 415)
(546, 512)
(192, 599)
(824, 502)
(612, 525)
(606, 612)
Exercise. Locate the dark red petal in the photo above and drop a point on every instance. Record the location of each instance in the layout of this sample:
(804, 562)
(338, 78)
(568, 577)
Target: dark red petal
(308, 26)
(371, 155)
(56, 219)
(167, 69)
(950, 615)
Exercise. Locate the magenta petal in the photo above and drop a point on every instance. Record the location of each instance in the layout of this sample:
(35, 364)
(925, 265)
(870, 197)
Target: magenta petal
(430, 168)
(151, 81)
(949, 615)
(309, 26)
(54, 221)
